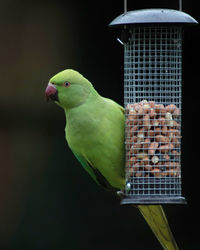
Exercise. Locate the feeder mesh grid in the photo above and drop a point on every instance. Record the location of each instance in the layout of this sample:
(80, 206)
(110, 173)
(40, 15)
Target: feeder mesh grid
(152, 99)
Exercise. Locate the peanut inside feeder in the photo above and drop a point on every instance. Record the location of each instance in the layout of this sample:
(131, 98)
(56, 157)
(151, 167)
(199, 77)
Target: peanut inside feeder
(152, 40)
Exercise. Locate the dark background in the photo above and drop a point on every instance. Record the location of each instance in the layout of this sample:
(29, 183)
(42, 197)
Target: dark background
(47, 201)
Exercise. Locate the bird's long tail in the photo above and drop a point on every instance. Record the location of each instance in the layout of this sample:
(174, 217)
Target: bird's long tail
(156, 219)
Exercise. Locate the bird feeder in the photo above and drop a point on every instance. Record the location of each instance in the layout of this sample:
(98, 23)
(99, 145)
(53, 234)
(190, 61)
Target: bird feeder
(152, 40)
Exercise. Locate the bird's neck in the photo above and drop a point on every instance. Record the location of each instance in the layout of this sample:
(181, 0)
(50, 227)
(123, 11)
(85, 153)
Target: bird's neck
(78, 119)
(92, 98)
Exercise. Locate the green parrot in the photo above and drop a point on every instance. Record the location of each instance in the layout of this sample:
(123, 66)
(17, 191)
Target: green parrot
(95, 133)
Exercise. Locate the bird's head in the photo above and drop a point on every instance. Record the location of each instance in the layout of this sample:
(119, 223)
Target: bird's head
(68, 89)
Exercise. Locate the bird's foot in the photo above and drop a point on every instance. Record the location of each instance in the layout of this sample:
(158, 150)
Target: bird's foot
(121, 193)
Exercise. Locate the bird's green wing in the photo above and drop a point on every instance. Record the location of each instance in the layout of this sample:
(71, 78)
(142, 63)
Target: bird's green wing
(94, 173)
(122, 109)
(86, 166)
(156, 219)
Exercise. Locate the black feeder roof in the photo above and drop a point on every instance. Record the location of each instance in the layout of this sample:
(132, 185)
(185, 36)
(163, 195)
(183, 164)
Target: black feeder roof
(153, 16)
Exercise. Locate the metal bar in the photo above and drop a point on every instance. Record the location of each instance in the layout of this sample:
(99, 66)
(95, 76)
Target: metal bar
(180, 5)
(125, 6)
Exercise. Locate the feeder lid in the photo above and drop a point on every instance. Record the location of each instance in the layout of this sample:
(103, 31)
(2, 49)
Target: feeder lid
(153, 16)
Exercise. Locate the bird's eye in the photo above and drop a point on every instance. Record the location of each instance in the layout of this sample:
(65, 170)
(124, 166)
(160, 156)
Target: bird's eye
(66, 84)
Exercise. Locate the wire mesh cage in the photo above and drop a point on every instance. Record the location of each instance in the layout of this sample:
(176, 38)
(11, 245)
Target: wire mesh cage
(152, 98)
(153, 105)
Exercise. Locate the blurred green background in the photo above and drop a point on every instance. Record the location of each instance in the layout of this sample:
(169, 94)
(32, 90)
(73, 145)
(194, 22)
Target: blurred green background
(47, 201)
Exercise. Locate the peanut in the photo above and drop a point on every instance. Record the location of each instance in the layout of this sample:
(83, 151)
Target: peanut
(166, 157)
(175, 141)
(170, 108)
(140, 134)
(150, 133)
(164, 130)
(173, 109)
(176, 125)
(134, 129)
(146, 143)
(152, 104)
(128, 156)
(164, 174)
(140, 111)
(133, 160)
(162, 139)
(139, 174)
(172, 165)
(129, 106)
(148, 167)
(129, 143)
(175, 154)
(166, 148)
(156, 172)
(146, 121)
(157, 131)
(162, 121)
(152, 148)
(141, 155)
(145, 160)
(176, 112)
(135, 148)
(130, 172)
(174, 172)
(160, 109)
(146, 108)
(152, 113)
(155, 123)
(173, 132)
(136, 167)
(133, 116)
(177, 172)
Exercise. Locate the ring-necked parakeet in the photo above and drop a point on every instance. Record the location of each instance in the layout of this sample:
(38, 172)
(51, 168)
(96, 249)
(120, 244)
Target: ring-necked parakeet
(95, 133)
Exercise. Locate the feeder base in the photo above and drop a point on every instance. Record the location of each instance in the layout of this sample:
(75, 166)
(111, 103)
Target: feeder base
(153, 200)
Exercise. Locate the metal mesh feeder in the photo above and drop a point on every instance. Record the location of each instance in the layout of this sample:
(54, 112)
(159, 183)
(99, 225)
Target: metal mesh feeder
(152, 40)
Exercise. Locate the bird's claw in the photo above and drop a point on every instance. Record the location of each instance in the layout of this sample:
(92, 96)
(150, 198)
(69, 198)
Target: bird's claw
(121, 193)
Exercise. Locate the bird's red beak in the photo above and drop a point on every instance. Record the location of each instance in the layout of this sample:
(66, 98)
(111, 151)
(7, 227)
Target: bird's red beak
(51, 92)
